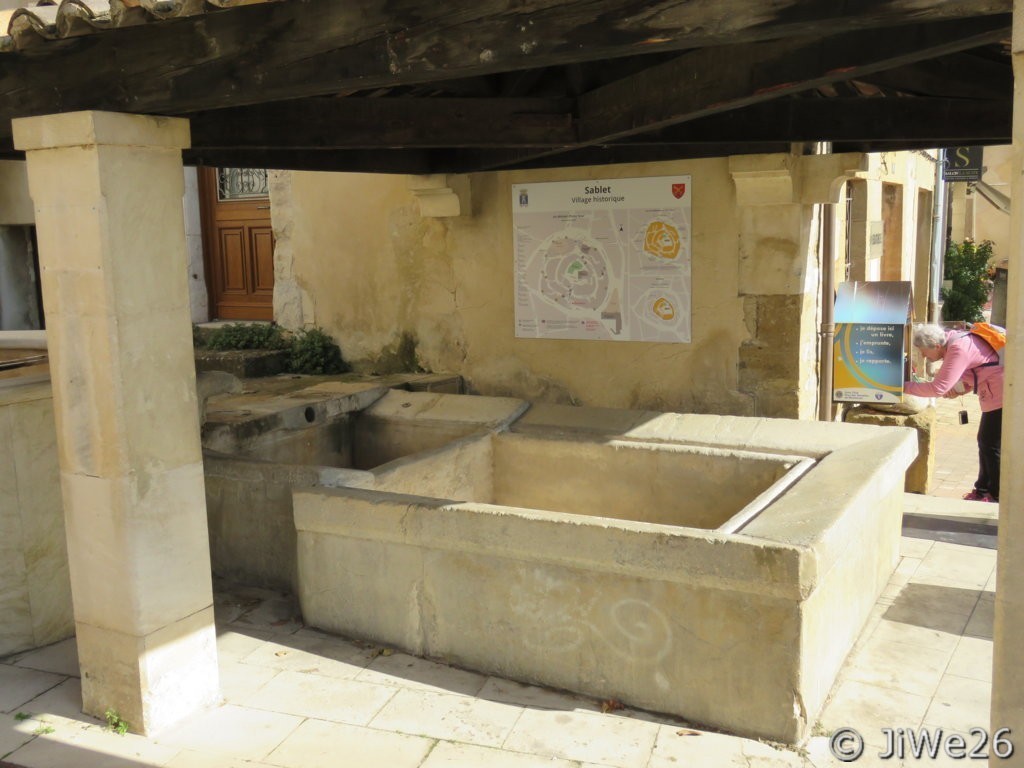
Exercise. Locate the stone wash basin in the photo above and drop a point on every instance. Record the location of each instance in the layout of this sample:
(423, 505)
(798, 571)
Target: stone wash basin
(668, 484)
(717, 568)
(258, 447)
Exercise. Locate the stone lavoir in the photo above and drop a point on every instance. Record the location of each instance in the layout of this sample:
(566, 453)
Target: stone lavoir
(718, 568)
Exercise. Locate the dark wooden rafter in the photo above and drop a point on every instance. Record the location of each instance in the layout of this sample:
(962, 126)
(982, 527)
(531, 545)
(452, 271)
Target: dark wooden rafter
(326, 123)
(901, 145)
(275, 51)
(414, 161)
(468, 161)
(713, 80)
(940, 121)
(471, 160)
(422, 123)
(959, 75)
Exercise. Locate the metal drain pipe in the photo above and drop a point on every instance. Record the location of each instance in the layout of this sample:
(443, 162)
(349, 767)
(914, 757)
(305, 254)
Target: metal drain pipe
(828, 328)
(938, 239)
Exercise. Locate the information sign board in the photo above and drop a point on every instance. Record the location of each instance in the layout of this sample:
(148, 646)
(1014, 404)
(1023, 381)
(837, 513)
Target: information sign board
(605, 259)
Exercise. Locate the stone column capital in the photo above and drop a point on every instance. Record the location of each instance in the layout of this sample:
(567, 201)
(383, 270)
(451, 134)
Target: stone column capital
(91, 128)
(763, 179)
(440, 195)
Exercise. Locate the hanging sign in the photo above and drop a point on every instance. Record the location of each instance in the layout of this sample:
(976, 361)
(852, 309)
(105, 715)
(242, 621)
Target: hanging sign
(962, 164)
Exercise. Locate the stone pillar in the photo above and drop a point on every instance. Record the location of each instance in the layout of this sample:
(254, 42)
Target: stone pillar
(1008, 665)
(779, 274)
(107, 190)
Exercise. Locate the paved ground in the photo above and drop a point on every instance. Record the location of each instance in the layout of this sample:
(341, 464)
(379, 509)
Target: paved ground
(956, 461)
(296, 698)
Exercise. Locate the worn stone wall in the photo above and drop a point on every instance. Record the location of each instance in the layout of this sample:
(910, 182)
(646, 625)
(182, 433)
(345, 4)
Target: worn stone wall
(35, 591)
(770, 356)
(402, 291)
(290, 300)
(779, 279)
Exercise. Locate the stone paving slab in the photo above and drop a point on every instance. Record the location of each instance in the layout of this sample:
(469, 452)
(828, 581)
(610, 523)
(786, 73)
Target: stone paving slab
(298, 698)
(944, 507)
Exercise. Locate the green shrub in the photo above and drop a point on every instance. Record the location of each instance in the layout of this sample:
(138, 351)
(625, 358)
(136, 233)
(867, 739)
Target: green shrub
(314, 352)
(310, 351)
(246, 336)
(967, 266)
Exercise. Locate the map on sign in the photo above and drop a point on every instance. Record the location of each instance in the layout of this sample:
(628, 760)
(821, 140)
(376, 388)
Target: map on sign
(603, 259)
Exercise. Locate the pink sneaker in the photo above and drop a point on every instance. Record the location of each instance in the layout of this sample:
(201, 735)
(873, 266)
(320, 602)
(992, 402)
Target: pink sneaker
(976, 495)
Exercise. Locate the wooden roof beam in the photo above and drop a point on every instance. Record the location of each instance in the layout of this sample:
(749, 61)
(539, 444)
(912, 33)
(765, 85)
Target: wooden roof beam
(713, 80)
(352, 122)
(959, 75)
(269, 52)
(710, 81)
(946, 122)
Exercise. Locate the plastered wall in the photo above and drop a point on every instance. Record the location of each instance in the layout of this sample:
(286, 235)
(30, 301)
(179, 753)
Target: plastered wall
(991, 223)
(400, 290)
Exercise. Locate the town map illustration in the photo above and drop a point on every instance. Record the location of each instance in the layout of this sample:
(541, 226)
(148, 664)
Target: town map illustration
(606, 259)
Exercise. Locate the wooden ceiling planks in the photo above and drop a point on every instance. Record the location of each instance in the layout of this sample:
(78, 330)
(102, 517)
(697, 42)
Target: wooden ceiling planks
(410, 86)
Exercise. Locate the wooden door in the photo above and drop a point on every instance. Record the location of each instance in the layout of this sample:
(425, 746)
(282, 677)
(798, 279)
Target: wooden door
(238, 243)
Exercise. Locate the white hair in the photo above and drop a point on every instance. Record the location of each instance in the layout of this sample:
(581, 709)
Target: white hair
(929, 336)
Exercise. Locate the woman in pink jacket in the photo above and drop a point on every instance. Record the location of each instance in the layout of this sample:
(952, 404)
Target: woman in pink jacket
(969, 364)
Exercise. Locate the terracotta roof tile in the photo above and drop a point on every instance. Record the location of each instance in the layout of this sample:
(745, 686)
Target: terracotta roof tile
(80, 17)
(34, 24)
(31, 25)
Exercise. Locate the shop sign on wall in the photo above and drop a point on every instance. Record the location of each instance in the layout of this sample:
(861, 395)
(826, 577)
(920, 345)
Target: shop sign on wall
(963, 164)
(606, 259)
